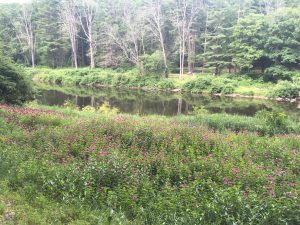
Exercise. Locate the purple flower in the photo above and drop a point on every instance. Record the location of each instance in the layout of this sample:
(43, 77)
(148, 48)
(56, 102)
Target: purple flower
(292, 184)
(270, 178)
(226, 181)
(236, 170)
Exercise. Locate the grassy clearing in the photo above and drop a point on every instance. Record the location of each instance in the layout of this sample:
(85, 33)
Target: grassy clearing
(74, 167)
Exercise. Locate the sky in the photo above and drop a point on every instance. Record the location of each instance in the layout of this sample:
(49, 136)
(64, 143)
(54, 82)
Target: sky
(14, 1)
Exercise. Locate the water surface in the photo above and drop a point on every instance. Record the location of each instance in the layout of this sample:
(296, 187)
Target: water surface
(161, 103)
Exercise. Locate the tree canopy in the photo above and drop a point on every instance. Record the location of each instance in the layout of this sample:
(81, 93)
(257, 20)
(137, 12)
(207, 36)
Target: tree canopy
(217, 36)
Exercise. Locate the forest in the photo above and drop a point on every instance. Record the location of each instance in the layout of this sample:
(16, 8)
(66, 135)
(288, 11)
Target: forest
(148, 112)
(157, 36)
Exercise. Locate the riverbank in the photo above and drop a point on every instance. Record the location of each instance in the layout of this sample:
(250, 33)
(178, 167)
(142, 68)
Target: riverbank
(141, 170)
(139, 102)
(227, 85)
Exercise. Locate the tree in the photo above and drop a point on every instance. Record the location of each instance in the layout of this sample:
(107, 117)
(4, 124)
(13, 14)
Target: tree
(248, 39)
(10, 40)
(185, 15)
(125, 26)
(216, 55)
(70, 22)
(14, 88)
(22, 21)
(283, 42)
(156, 21)
(86, 15)
(52, 47)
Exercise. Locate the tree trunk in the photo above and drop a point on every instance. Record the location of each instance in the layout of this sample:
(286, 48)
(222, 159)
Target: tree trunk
(75, 61)
(179, 106)
(32, 59)
(92, 60)
(92, 56)
(166, 73)
(205, 42)
(191, 54)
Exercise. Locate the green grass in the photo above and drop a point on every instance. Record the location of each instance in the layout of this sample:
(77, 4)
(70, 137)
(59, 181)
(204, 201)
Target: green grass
(17, 207)
(131, 79)
(63, 166)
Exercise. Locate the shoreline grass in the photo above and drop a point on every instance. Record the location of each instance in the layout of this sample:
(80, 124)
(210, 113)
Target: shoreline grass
(199, 83)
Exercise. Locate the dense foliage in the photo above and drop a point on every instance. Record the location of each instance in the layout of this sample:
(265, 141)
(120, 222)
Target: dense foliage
(199, 83)
(147, 171)
(14, 88)
(156, 36)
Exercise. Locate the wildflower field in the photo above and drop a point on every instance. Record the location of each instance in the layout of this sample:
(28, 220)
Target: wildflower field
(68, 167)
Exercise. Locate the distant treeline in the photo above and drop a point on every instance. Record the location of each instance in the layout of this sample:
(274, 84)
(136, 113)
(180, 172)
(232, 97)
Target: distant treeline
(261, 36)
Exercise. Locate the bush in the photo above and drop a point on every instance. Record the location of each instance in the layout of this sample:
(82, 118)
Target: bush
(276, 73)
(199, 111)
(152, 64)
(285, 89)
(228, 89)
(296, 79)
(165, 84)
(88, 108)
(70, 105)
(198, 85)
(222, 85)
(14, 88)
(274, 122)
(121, 80)
(107, 110)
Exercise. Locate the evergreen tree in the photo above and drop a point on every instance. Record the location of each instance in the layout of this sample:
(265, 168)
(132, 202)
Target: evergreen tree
(52, 43)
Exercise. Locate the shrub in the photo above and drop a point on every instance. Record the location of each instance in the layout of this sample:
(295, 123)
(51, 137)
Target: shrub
(285, 89)
(88, 108)
(198, 85)
(14, 88)
(199, 111)
(222, 85)
(276, 73)
(296, 80)
(274, 122)
(228, 89)
(107, 110)
(165, 84)
(152, 64)
(121, 80)
(70, 105)
(216, 88)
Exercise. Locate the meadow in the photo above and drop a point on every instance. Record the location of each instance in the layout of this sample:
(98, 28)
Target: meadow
(70, 166)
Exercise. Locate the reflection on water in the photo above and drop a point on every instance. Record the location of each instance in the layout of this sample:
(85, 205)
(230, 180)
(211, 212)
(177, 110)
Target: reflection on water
(162, 103)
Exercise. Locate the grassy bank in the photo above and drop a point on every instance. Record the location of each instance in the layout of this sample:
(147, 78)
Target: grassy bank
(64, 166)
(199, 83)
